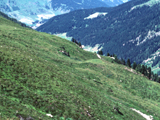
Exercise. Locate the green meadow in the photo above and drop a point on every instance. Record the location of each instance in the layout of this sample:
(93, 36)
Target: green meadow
(37, 78)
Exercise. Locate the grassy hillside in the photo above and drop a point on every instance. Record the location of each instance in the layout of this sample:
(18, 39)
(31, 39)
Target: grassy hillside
(36, 79)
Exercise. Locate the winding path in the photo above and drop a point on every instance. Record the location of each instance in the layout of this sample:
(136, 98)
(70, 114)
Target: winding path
(147, 117)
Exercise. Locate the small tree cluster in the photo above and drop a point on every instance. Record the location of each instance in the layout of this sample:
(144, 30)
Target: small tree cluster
(64, 51)
(146, 71)
(75, 41)
(120, 61)
(100, 52)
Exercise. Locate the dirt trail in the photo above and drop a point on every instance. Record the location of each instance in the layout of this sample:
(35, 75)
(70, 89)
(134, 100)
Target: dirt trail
(147, 117)
(99, 56)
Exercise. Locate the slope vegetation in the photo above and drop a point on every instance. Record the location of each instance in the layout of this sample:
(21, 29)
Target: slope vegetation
(43, 74)
(130, 30)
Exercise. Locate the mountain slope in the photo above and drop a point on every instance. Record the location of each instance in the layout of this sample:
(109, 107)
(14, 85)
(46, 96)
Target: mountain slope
(37, 79)
(35, 13)
(132, 28)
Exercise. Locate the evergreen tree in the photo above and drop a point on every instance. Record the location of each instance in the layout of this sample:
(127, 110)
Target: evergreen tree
(73, 40)
(123, 61)
(76, 41)
(158, 80)
(100, 52)
(149, 72)
(146, 71)
(128, 63)
(134, 65)
(155, 77)
(138, 68)
(68, 54)
(116, 59)
(143, 69)
(79, 43)
(108, 54)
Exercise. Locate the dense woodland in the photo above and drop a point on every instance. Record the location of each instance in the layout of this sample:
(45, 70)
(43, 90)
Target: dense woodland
(115, 29)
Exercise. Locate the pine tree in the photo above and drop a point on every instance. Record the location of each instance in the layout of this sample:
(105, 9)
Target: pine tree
(79, 43)
(158, 80)
(73, 40)
(128, 63)
(138, 68)
(143, 69)
(76, 41)
(100, 52)
(134, 65)
(149, 72)
(116, 59)
(68, 54)
(155, 77)
(108, 54)
(123, 61)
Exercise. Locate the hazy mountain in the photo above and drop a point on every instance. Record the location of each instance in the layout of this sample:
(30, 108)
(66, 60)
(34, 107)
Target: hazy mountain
(77, 4)
(130, 30)
(37, 12)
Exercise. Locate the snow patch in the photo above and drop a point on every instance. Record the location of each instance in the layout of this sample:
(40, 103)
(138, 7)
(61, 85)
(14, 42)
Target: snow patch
(147, 117)
(95, 15)
(93, 49)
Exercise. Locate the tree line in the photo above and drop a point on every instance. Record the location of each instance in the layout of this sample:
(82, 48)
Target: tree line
(144, 69)
(76, 41)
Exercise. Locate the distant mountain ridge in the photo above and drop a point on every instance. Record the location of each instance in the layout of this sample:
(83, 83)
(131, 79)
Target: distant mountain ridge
(35, 13)
(77, 4)
(130, 30)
